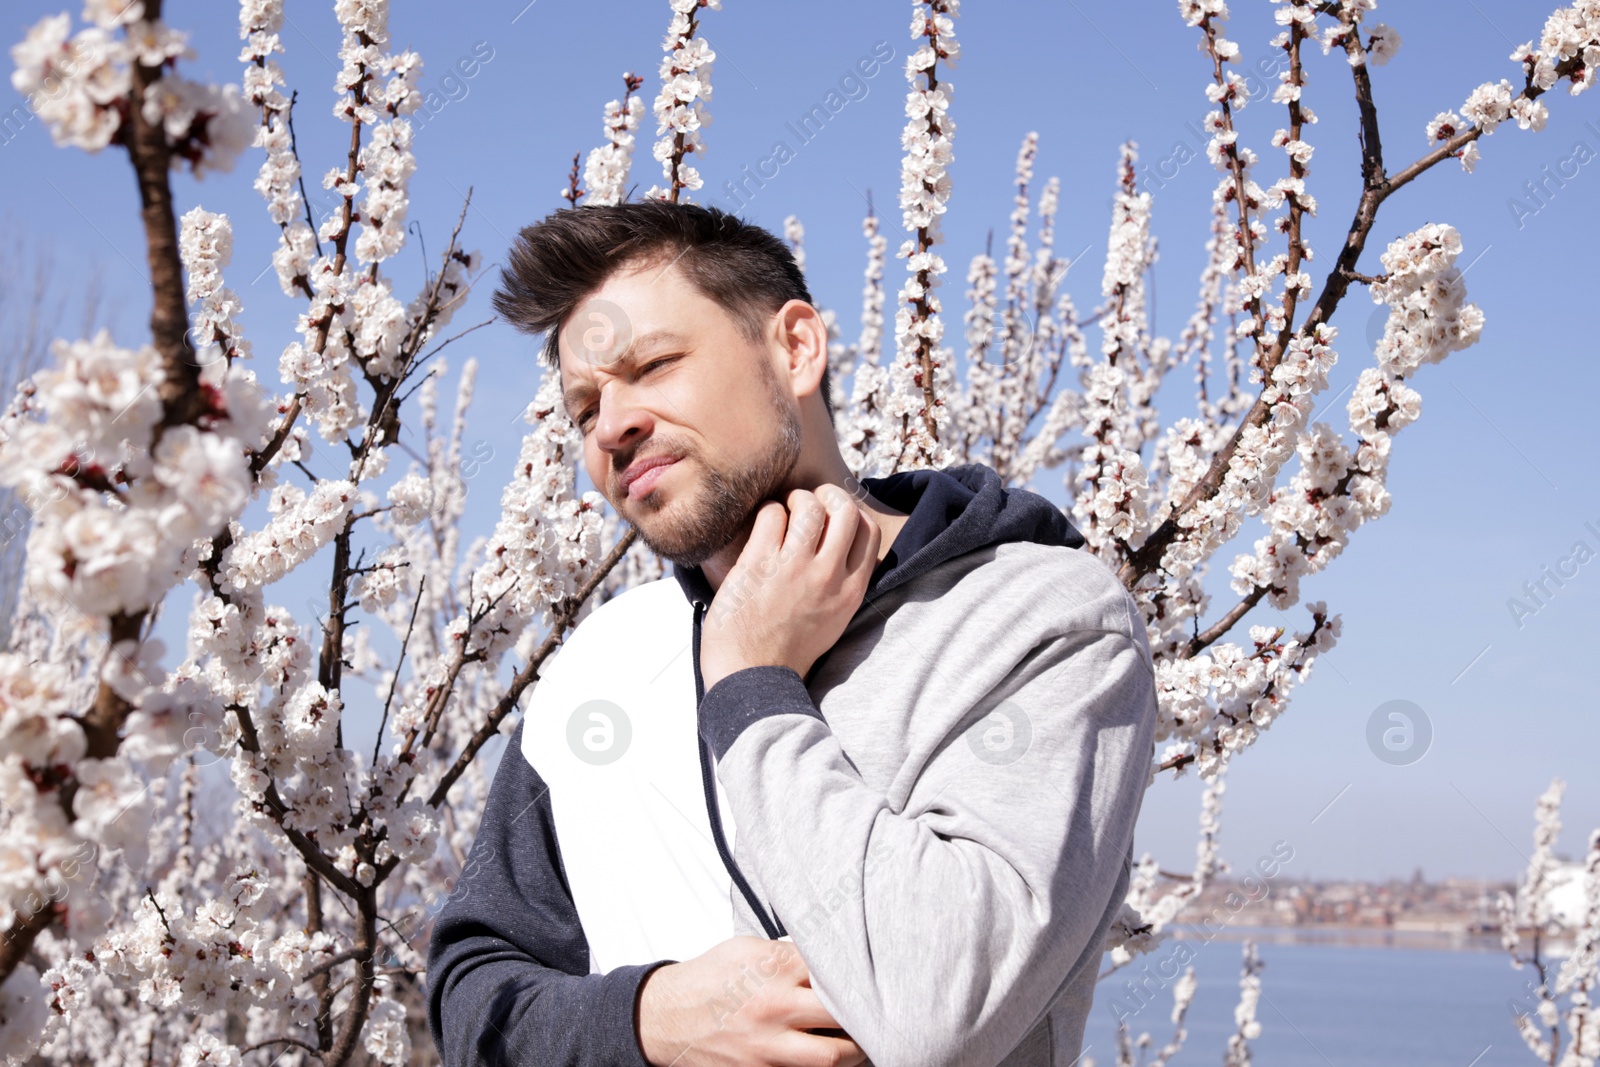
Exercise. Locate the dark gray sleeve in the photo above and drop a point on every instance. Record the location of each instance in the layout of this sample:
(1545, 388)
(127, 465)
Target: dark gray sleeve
(508, 964)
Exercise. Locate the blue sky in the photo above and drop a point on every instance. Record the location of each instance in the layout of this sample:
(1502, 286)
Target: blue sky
(1495, 482)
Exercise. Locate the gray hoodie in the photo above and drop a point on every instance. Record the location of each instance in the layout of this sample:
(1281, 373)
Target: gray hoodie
(940, 814)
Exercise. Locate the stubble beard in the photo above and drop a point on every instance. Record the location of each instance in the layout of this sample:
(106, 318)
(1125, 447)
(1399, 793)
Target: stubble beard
(721, 506)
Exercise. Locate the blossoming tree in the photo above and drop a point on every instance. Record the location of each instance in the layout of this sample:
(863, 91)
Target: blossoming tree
(1528, 915)
(131, 931)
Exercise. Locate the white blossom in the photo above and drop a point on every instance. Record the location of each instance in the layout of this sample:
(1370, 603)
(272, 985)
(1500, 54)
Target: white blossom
(386, 1036)
(1383, 44)
(1489, 105)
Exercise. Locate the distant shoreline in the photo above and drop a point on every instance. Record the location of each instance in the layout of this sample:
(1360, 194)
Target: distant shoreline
(1438, 937)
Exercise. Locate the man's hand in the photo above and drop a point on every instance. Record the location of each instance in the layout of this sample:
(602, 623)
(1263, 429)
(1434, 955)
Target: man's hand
(797, 583)
(747, 1002)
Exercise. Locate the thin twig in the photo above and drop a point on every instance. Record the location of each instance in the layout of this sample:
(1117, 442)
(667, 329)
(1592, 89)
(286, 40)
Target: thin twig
(294, 149)
(395, 680)
(282, 1041)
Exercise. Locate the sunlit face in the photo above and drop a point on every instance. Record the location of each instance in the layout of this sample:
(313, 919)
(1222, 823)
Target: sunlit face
(651, 367)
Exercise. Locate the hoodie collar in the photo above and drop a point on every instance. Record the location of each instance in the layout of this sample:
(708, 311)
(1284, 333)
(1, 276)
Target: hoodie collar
(952, 511)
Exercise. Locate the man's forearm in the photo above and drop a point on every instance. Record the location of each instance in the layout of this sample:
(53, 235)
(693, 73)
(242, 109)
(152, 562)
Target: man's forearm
(504, 1008)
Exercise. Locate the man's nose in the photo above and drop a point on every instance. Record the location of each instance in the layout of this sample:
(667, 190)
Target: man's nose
(622, 418)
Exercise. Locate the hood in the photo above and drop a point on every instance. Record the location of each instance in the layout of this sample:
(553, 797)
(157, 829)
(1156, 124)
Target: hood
(953, 511)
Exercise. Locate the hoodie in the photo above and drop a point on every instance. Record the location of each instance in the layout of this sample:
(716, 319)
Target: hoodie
(939, 815)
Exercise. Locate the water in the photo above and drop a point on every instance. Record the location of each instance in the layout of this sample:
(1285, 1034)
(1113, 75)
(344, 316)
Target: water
(1328, 1001)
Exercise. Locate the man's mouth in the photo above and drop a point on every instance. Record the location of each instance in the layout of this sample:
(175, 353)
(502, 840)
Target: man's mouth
(644, 483)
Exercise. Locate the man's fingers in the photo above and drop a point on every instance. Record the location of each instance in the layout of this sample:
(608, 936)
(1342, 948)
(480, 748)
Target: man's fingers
(807, 517)
(786, 962)
(767, 532)
(799, 1049)
(801, 1008)
(844, 523)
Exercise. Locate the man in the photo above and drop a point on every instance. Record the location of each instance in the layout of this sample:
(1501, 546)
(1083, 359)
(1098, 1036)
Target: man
(858, 780)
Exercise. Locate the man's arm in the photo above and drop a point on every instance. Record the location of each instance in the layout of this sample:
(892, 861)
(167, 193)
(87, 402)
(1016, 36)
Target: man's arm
(508, 964)
(940, 935)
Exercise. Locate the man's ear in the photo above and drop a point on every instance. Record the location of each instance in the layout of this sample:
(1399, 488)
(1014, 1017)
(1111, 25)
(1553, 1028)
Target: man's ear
(804, 339)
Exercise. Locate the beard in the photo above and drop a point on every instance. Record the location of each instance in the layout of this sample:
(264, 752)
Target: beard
(720, 507)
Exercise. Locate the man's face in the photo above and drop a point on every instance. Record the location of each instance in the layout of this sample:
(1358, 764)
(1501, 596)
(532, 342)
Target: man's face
(653, 368)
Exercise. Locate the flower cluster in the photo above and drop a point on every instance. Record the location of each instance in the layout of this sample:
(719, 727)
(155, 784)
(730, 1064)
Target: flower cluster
(411, 499)
(1571, 36)
(1130, 251)
(278, 178)
(980, 316)
(385, 162)
(73, 82)
(1569, 47)
(119, 498)
(1579, 973)
(547, 537)
(42, 856)
(1185, 453)
(1237, 1054)
(1110, 502)
(206, 246)
(353, 315)
(82, 86)
(1141, 925)
(1261, 450)
(386, 1036)
(1428, 317)
(1018, 339)
(606, 170)
(922, 367)
(223, 954)
(924, 173)
(679, 107)
(302, 523)
(381, 583)
(1214, 705)
(1310, 520)
(862, 424)
(1383, 43)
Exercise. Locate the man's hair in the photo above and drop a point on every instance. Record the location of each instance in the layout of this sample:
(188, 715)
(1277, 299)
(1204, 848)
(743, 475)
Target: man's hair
(559, 261)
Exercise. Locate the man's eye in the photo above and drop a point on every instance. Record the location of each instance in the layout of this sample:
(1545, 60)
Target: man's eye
(584, 418)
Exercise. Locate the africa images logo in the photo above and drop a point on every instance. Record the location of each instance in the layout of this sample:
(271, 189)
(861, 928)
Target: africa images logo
(599, 732)
(1399, 732)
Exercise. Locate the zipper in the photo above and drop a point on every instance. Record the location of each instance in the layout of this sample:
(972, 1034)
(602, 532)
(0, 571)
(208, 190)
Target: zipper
(773, 927)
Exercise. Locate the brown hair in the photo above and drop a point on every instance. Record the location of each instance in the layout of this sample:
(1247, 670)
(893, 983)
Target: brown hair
(557, 262)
